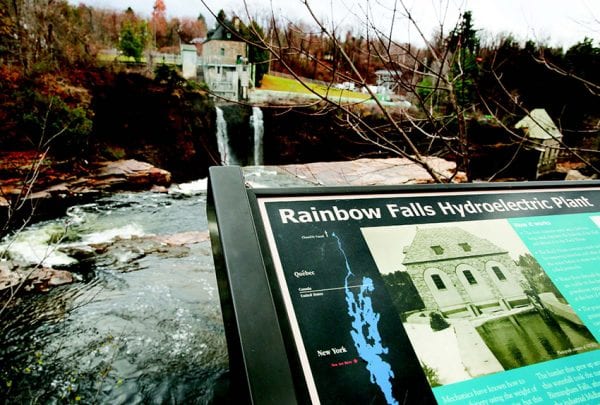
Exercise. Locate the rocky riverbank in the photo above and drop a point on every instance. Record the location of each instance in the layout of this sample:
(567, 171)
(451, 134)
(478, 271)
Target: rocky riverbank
(33, 185)
(57, 256)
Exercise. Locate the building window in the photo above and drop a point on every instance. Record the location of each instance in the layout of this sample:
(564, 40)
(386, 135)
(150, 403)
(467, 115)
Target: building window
(222, 51)
(438, 249)
(499, 273)
(469, 276)
(439, 283)
(465, 246)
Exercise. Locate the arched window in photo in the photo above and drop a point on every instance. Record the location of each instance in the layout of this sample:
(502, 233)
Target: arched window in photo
(470, 277)
(437, 280)
(498, 272)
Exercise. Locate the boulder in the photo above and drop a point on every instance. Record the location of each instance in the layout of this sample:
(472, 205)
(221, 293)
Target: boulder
(134, 172)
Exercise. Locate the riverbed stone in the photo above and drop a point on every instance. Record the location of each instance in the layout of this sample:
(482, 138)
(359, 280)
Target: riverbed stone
(38, 279)
(58, 277)
(364, 172)
(183, 238)
(8, 277)
(59, 185)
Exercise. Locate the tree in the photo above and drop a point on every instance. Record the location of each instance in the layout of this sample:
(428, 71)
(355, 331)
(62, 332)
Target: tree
(191, 29)
(464, 42)
(536, 276)
(257, 55)
(133, 38)
(159, 24)
(443, 130)
(42, 35)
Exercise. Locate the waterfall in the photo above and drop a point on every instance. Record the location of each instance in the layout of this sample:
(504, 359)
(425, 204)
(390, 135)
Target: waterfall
(256, 120)
(223, 140)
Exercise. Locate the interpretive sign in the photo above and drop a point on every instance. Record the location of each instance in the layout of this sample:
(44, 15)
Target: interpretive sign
(475, 294)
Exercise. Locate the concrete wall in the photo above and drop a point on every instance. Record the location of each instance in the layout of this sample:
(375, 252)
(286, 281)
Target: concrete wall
(189, 61)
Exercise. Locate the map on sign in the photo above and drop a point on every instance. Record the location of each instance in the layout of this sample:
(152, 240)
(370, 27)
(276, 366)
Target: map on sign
(364, 332)
(445, 298)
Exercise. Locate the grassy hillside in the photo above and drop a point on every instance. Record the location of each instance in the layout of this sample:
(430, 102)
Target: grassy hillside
(277, 83)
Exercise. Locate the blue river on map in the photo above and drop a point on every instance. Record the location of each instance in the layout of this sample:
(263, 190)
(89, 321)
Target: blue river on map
(365, 333)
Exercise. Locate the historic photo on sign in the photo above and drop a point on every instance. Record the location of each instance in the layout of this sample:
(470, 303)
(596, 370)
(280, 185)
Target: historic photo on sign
(473, 299)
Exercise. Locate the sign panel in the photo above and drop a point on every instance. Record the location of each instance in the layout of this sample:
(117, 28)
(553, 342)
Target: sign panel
(456, 297)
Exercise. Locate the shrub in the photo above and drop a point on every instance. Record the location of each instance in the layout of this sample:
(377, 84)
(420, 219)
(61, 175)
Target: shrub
(52, 123)
(432, 375)
(437, 322)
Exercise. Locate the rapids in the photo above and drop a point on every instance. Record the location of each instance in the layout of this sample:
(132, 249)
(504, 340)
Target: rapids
(143, 324)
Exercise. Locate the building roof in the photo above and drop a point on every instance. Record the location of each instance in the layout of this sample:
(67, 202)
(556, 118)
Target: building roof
(224, 32)
(444, 243)
(538, 125)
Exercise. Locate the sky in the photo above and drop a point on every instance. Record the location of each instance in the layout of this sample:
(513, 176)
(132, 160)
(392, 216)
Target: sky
(553, 22)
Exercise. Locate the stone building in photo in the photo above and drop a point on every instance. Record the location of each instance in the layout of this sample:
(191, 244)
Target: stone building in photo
(462, 275)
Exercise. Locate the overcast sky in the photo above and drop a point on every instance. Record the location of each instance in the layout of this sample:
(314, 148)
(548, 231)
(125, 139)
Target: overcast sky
(556, 22)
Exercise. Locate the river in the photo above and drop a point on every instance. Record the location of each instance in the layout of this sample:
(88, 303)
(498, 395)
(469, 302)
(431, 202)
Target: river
(142, 325)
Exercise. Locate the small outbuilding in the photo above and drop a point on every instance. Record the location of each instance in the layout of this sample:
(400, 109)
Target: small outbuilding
(189, 61)
(544, 137)
(387, 82)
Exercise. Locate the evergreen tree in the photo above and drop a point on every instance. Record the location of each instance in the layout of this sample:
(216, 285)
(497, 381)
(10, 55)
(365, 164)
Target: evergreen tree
(257, 55)
(464, 43)
(133, 38)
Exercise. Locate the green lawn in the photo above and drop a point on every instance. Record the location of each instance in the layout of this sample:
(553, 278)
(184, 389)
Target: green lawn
(284, 84)
(119, 58)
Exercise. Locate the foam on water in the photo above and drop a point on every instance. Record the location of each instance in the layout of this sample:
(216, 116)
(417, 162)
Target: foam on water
(191, 188)
(38, 246)
(108, 235)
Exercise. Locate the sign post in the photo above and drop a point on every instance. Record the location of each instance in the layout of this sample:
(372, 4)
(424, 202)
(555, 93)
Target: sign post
(477, 293)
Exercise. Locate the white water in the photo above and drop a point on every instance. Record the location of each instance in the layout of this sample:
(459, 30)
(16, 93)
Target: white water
(125, 232)
(223, 140)
(36, 247)
(191, 188)
(256, 120)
